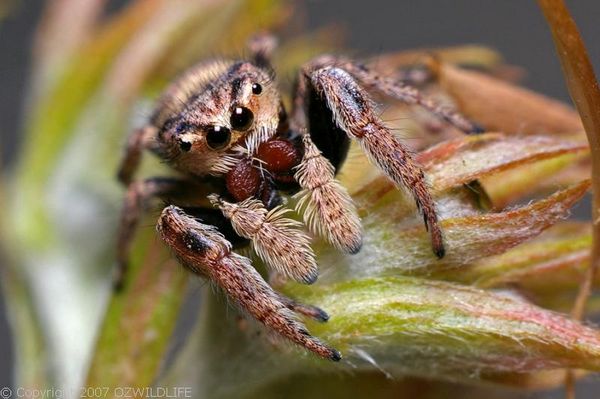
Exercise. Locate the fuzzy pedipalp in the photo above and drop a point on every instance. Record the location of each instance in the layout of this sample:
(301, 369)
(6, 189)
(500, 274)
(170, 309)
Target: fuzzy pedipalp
(328, 210)
(277, 240)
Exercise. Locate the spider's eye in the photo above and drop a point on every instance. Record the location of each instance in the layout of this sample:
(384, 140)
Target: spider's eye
(217, 137)
(256, 89)
(241, 118)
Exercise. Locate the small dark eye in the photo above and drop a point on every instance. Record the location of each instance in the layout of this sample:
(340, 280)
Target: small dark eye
(256, 89)
(185, 145)
(217, 137)
(241, 118)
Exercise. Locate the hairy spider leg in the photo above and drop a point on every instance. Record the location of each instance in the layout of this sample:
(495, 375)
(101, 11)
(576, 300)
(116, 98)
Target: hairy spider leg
(396, 88)
(136, 143)
(206, 252)
(354, 113)
(138, 196)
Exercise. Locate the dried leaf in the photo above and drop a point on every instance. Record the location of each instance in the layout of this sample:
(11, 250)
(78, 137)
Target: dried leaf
(466, 159)
(472, 55)
(585, 91)
(580, 168)
(537, 178)
(553, 262)
(501, 106)
(475, 157)
(393, 245)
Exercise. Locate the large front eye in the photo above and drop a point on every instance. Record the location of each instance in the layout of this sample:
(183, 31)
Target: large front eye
(241, 118)
(217, 137)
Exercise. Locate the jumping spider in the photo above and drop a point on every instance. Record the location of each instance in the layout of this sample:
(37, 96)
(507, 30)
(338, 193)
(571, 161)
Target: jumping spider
(223, 126)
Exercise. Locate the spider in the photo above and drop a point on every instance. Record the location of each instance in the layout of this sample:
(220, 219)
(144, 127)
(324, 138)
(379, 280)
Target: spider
(222, 125)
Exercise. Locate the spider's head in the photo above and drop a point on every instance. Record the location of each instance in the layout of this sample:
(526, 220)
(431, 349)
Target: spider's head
(236, 111)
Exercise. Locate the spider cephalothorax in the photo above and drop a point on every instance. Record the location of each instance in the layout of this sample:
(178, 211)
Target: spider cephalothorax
(223, 126)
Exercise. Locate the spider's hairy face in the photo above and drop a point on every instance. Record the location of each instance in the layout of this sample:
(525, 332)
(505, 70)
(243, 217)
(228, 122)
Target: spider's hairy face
(215, 116)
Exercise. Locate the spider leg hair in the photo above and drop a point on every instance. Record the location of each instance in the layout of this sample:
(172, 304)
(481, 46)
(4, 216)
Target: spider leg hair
(279, 241)
(354, 113)
(395, 88)
(136, 143)
(313, 312)
(327, 208)
(204, 251)
(138, 196)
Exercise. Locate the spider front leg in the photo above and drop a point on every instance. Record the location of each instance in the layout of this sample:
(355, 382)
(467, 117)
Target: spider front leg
(136, 143)
(261, 47)
(396, 88)
(138, 196)
(354, 114)
(204, 251)
(313, 312)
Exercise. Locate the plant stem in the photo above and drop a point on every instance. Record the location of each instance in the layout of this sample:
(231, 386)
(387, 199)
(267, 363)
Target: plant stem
(584, 90)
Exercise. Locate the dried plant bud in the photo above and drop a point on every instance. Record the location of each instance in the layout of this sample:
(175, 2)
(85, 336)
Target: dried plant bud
(462, 160)
(550, 264)
(413, 326)
(468, 238)
(473, 55)
(537, 178)
(501, 106)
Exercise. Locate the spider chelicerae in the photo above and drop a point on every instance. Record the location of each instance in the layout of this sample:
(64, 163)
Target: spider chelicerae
(222, 125)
